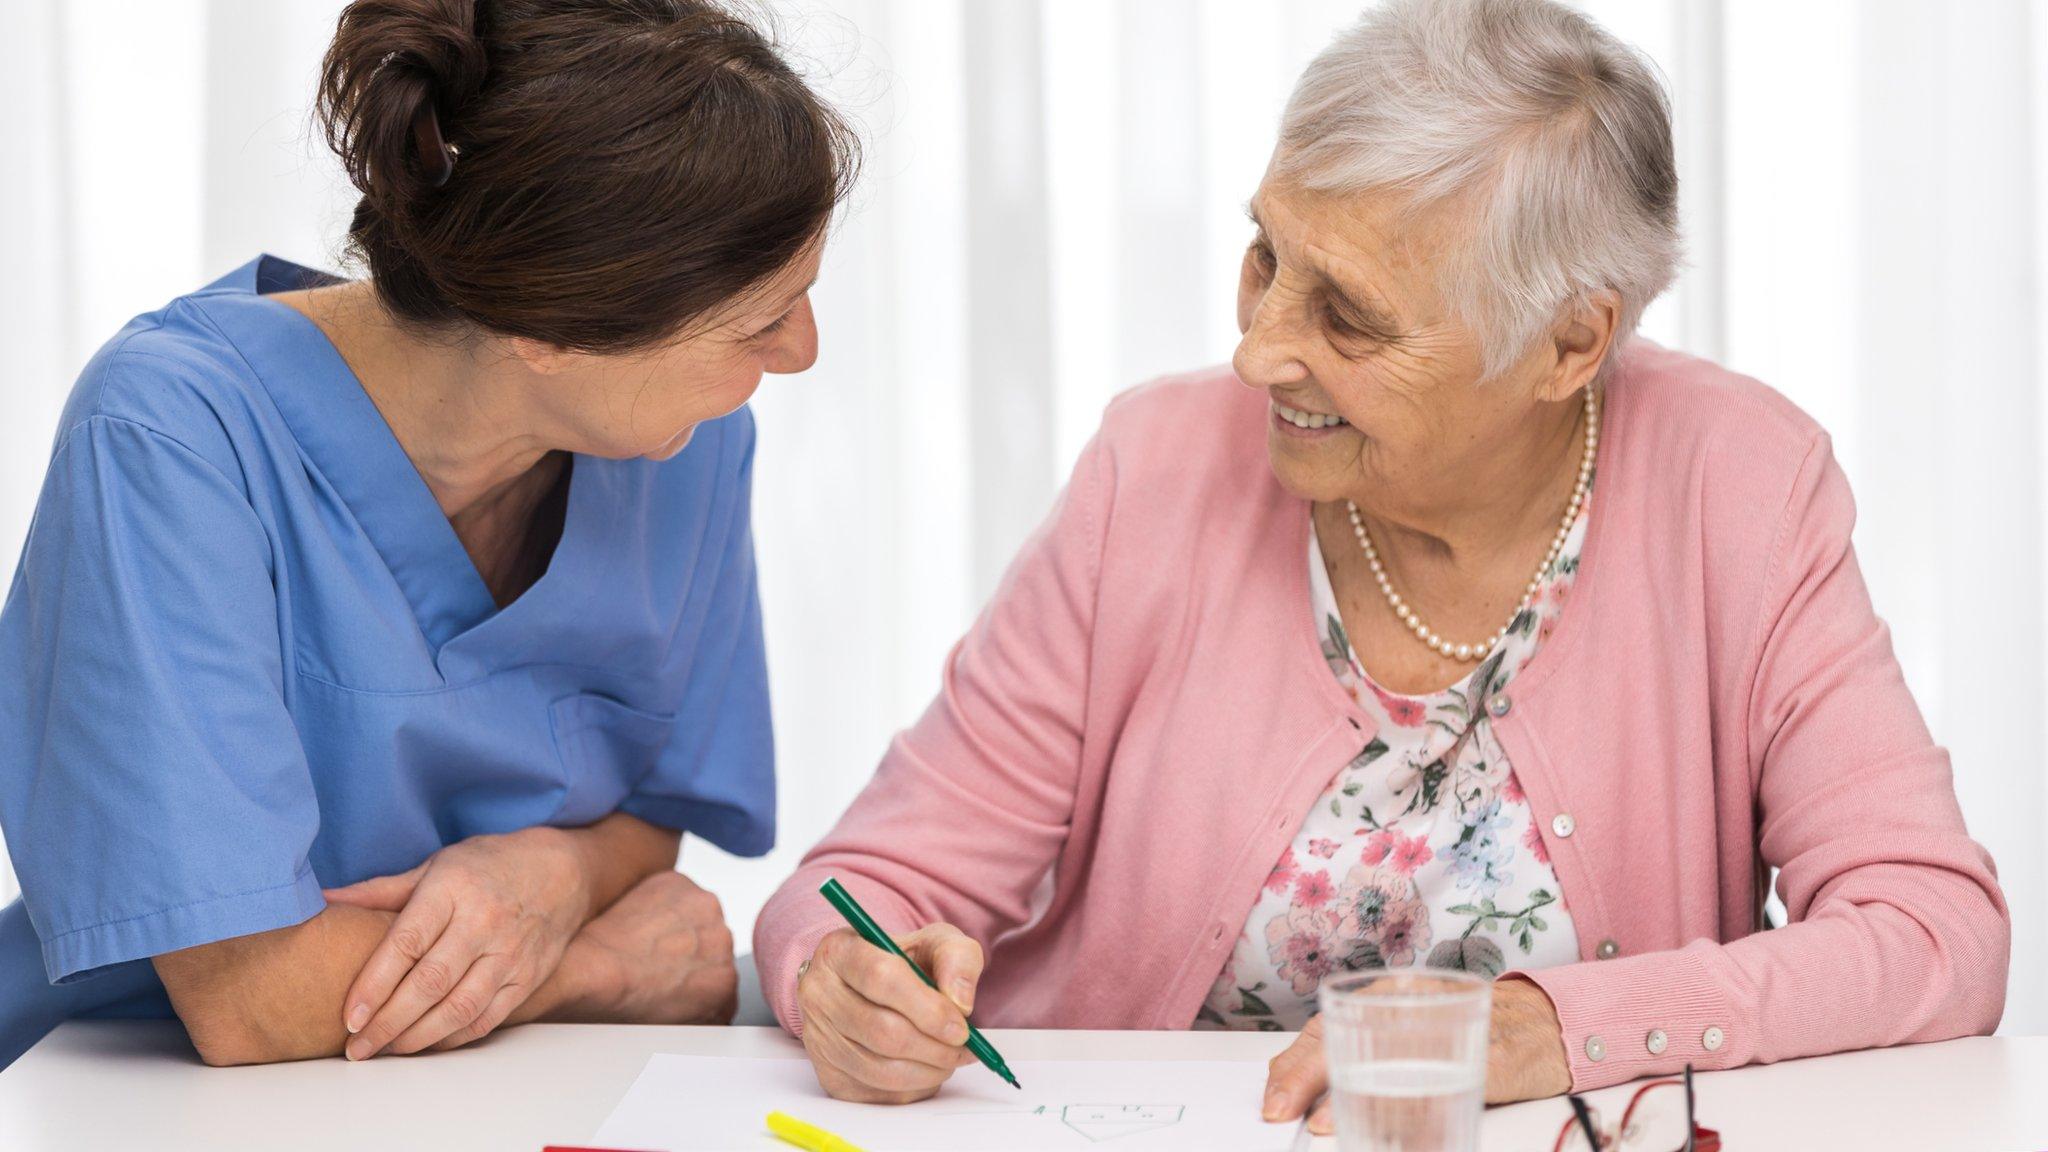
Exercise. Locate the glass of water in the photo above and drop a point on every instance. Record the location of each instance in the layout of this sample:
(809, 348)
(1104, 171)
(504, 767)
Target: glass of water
(1407, 1054)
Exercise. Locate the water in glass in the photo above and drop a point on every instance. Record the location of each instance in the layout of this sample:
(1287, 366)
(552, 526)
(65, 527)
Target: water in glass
(1407, 1059)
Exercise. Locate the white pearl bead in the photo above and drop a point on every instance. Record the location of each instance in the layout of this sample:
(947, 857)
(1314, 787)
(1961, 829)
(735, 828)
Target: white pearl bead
(1464, 651)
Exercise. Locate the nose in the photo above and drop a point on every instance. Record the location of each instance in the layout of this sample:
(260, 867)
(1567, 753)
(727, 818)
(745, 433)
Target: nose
(796, 345)
(1268, 354)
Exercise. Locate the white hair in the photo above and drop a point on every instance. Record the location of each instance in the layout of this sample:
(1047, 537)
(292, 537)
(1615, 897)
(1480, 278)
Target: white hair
(1551, 134)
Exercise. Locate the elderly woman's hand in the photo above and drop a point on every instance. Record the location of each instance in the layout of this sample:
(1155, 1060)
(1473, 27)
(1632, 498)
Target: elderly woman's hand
(875, 1033)
(481, 924)
(1525, 1059)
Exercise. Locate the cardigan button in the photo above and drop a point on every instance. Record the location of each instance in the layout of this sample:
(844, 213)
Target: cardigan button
(1607, 950)
(1499, 705)
(1656, 1041)
(1711, 1039)
(1596, 1049)
(1563, 825)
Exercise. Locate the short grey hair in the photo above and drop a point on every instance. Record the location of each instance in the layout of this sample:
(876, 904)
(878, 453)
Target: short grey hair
(1552, 134)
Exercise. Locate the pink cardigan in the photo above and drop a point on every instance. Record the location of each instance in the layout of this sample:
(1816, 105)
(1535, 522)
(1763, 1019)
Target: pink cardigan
(1129, 736)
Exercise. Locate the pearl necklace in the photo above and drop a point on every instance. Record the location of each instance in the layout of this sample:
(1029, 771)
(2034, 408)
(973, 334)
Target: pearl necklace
(1471, 652)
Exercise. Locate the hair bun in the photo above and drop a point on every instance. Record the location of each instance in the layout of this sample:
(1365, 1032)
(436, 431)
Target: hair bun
(628, 168)
(390, 59)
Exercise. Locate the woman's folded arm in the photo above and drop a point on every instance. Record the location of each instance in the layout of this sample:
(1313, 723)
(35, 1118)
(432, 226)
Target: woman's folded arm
(277, 995)
(284, 994)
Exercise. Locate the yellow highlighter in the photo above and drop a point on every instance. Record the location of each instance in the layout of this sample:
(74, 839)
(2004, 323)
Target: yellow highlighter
(809, 1137)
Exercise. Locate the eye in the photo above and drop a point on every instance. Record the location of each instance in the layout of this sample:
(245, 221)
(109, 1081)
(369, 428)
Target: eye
(1343, 327)
(1260, 257)
(772, 329)
(1339, 326)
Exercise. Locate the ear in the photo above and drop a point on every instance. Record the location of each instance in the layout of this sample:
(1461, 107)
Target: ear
(1581, 342)
(541, 357)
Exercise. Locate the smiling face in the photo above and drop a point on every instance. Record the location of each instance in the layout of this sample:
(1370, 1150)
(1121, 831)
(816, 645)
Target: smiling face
(647, 403)
(1373, 382)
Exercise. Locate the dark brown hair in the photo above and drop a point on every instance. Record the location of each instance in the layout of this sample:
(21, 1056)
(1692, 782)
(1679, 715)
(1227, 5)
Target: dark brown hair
(621, 168)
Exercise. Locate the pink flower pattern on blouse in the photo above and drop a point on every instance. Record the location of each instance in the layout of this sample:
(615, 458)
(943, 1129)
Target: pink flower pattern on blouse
(1422, 850)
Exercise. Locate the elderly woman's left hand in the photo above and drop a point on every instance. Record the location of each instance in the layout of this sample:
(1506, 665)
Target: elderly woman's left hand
(1525, 1059)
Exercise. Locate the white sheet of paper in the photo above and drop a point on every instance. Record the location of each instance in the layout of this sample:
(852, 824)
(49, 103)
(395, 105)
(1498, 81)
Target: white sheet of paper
(713, 1104)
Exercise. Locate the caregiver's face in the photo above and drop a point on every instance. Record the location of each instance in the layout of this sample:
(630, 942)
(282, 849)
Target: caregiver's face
(1345, 331)
(647, 403)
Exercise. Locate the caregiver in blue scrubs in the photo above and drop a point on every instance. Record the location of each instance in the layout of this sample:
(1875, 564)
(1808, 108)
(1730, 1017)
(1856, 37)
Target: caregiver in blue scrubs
(376, 642)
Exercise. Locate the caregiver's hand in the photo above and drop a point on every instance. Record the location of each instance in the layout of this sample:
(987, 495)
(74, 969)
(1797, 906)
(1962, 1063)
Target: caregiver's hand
(875, 1033)
(660, 955)
(481, 924)
(1524, 1061)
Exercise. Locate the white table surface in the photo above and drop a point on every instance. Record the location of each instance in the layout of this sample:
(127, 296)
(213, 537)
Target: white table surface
(136, 1085)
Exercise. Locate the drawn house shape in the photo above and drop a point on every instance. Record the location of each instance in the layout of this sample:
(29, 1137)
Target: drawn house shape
(1099, 1122)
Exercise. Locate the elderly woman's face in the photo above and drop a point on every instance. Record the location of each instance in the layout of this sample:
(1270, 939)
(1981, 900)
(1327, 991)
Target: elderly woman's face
(1345, 331)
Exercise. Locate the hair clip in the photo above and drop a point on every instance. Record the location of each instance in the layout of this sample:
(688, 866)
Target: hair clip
(437, 156)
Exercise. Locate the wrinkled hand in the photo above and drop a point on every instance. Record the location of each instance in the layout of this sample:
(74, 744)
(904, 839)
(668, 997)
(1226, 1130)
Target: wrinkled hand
(480, 925)
(875, 1033)
(661, 954)
(1525, 1059)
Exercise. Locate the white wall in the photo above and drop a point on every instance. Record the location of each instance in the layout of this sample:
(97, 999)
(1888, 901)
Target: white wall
(1053, 211)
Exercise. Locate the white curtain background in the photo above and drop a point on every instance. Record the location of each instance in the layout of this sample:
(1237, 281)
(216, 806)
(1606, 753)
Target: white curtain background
(1053, 212)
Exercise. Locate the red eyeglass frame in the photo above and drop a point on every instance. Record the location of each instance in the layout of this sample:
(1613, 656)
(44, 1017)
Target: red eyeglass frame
(1703, 1139)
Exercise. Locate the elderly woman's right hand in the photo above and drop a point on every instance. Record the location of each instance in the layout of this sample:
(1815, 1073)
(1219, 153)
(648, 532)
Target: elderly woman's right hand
(876, 1033)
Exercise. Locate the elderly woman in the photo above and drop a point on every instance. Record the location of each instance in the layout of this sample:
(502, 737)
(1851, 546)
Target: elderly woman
(1452, 627)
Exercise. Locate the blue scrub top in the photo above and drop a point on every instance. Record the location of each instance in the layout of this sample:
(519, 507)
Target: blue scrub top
(245, 656)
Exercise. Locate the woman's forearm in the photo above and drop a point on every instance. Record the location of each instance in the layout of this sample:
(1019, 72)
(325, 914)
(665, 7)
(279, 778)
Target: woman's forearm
(618, 852)
(276, 996)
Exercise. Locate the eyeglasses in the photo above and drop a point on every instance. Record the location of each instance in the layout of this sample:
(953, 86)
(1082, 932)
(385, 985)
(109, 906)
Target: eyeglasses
(1658, 1119)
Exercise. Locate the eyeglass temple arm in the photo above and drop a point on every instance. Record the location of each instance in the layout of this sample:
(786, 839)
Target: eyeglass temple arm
(1585, 1116)
(1690, 1125)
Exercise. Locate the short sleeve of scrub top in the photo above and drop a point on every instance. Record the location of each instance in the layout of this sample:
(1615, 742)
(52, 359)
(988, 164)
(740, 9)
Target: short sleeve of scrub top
(245, 655)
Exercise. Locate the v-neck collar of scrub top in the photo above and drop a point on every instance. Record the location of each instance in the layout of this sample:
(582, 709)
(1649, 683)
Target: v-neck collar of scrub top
(353, 449)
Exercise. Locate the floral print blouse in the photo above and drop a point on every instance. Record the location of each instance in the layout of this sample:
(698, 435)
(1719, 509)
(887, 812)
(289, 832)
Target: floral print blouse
(1422, 851)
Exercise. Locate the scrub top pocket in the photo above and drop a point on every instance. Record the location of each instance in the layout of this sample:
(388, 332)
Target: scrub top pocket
(607, 748)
